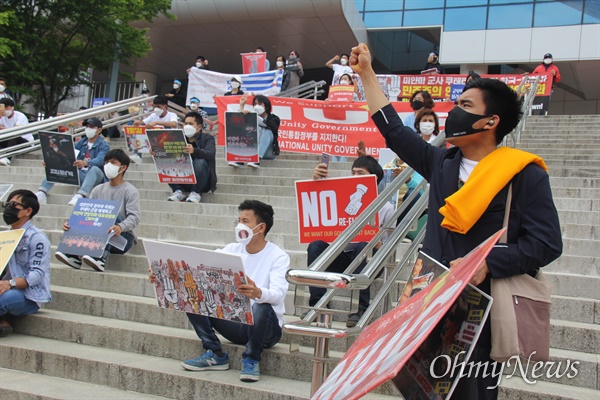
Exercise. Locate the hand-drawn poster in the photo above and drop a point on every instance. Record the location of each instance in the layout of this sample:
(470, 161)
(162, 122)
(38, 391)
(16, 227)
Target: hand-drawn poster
(89, 226)
(172, 164)
(199, 281)
(241, 137)
(9, 241)
(137, 141)
(59, 155)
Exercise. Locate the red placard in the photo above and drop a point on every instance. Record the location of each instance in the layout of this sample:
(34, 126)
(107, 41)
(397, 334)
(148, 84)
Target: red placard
(341, 93)
(253, 63)
(383, 348)
(328, 206)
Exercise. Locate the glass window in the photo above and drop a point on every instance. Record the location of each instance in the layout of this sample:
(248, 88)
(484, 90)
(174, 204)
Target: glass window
(509, 1)
(465, 19)
(515, 16)
(423, 18)
(412, 4)
(382, 5)
(383, 19)
(463, 3)
(566, 12)
(592, 12)
(360, 4)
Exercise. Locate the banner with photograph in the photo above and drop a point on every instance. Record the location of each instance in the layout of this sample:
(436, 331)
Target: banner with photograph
(58, 151)
(9, 240)
(172, 164)
(241, 134)
(326, 207)
(199, 281)
(315, 126)
(386, 346)
(429, 374)
(205, 85)
(89, 226)
(137, 140)
(254, 62)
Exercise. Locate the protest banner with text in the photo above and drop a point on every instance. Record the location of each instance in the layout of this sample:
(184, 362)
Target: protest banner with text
(137, 140)
(9, 240)
(172, 163)
(58, 151)
(241, 133)
(254, 62)
(199, 281)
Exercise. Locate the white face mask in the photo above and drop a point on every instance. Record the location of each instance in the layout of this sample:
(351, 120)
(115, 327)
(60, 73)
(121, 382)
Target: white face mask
(157, 111)
(111, 171)
(175, 86)
(189, 131)
(2, 88)
(8, 113)
(235, 84)
(279, 64)
(343, 61)
(55, 149)
(198, 65)
(344, 82)
(244, 234)
(547, 61)
(259, 109)
(193, 106)
(426, 128)
(90, 132)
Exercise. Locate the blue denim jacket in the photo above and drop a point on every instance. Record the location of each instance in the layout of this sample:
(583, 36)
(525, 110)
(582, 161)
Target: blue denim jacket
(31, 260)
(97, 151)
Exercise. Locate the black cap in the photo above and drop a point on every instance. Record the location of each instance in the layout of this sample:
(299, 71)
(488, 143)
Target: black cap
(95, 122)
(548, 55)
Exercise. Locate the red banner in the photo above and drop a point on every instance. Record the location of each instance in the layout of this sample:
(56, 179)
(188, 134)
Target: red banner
(383, 348)
(254, 62)
(341, 93)
(314, 126)
(327, 206)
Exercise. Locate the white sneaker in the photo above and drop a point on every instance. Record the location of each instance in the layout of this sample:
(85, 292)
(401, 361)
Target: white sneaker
(136, 159)
(253, 165)
(97, 264)
(194, 198)
(4, 161)
(73, 262)
(74, 199)
(177, 195)
(42, 197)
(234, 164)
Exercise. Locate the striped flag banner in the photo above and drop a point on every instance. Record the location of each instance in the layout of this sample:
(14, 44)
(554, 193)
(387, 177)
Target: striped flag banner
(205, 84)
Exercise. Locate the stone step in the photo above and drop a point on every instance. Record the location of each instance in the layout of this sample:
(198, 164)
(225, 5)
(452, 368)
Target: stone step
(572, 264)
(564, 284)
(518, 389)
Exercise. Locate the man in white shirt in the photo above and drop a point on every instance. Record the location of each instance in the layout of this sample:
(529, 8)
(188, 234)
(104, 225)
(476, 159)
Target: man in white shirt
(161, 116)
(11, 119)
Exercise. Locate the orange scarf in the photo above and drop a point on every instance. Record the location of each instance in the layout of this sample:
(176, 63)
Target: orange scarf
(464, 208)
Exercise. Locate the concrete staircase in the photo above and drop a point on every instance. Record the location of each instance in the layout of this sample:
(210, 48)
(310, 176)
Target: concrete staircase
(103, 336)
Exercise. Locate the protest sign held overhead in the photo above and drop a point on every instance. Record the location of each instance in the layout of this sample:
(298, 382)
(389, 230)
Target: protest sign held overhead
(58, 150)
(199, 281)
(254, 62)
(341, 93)
(89, 227)
(241, 137)
(172, 163)
(328, 206)
(9, 240)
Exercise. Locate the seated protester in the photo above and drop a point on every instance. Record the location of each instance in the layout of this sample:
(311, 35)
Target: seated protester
(176, 94)
(116, 189)
(427, 124)
(364, 165)
(10, 119)
(201, 146)
(235, 84)
(161, 116)
(266, 266)
(92, 148)
(268, 129)
(206, 122)
(26, 280)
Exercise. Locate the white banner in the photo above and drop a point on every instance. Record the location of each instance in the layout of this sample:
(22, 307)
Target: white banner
(205, 84)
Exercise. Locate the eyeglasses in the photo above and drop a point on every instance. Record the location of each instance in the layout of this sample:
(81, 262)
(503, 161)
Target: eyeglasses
(12, 204)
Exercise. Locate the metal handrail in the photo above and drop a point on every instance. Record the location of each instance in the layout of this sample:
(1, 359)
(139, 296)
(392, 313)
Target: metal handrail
(305, 90)
(528, 98)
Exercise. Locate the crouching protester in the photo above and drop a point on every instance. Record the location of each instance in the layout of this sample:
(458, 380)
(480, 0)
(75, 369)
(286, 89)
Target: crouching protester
(265, 265)
(25, 282)
(116, 163)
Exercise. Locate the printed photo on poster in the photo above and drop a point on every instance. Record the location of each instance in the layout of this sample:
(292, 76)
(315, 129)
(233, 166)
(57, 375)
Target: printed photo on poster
(58, 151)
(172, 164)
(137, 140)
(9, 240)
(89, 226)
(4, 189)
(241, 137)
(199, 281)
(326, 207)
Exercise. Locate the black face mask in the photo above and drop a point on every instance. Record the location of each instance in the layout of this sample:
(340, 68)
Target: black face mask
(460, 123)
(11, 215)
(417, 105)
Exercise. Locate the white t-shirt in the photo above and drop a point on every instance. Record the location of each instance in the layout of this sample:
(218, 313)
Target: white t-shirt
(338, 71)
(16, 119)
(169, 117)
(466, 167)
(267, 269)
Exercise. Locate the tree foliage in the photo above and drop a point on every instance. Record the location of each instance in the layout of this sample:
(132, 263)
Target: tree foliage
(53, 41)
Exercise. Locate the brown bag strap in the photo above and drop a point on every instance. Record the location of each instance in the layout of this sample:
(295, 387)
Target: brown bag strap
(504, 237)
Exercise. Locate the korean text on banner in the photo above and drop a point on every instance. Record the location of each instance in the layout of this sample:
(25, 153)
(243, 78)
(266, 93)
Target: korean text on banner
(241, 137)
(172, 164)
(383, 348)
(254, 62)
(328, 206)
(199, 281)
(137, 140)
(341, 93)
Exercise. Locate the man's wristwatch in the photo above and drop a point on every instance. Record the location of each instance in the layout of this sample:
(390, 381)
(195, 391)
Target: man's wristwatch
(13, 283)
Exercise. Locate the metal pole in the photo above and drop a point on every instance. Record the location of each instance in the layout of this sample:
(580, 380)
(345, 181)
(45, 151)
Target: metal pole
(321, 353)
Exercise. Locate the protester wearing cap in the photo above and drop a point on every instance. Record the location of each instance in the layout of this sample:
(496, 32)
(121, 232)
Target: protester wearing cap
(90, 161)
(547, 67)
(207, 124)
(235, 83)
(161, 116)
(176, 94)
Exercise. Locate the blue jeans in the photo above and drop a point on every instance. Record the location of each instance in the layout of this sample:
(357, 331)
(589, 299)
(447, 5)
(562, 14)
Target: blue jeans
(202, 171)
(265, 144)
(15, 303)
(340, 264)
(87, 180)
(265, 332)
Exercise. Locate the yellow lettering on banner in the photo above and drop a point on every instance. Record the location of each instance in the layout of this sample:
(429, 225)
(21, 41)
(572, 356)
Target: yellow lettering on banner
(475, 316)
